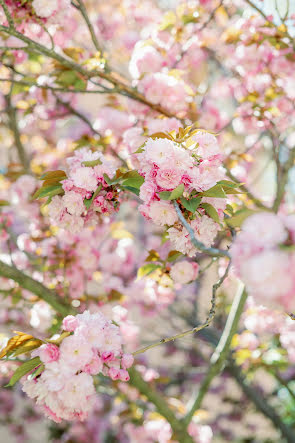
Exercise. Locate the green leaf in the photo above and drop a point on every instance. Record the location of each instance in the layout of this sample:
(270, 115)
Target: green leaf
(153, 256)
(238, 218)
(173, 255)
(229, 183)
(37, 372)
(192, 204)
(216, 192)
(210, 211)
(165, 195)
(231, 190)
(177, 192)
(48, 191)
(131, 189)
(92, 162)
(4, 203)
(133, 179)
(71, 78)
(58, 175)
(147, 269)
(24, 369)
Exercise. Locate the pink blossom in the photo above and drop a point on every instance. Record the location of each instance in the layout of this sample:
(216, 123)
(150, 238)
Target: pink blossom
(168, 178)
(48, 353)
(44, 8)
(162, 213)
(127, 361)
(73, 202)
(70, 323)
(144, 59)
(84, 177)
(184, 272)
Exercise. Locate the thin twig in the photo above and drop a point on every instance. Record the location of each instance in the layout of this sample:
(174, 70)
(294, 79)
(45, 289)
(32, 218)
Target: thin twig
(214, 252)
(219, 356)
(207, 322)
(81, 7)
(122, 86)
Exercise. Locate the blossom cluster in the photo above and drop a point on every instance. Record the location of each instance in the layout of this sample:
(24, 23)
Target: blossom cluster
(168, 165)
(264, 258)
(65, 389)
(86, 193)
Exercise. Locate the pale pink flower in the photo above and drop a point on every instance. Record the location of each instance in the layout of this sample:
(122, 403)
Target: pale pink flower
(114, 120)
(127, 361)
(75, 352)
(70, 323)
(184, 272)
(78, 392)
(47, 353)
(84, 177)
(73, 202)
(159, 151)
(267, 275)
(144, 59)
(45, 8)
(162, 213)
(56, 208)
(266, 229)
(207, 145)
(147, 191)
(71, 223)
(164, 89)
(168, 178)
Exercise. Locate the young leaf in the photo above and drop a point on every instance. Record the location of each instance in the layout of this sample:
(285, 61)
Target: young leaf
(60, 175)
(147, 269)
(48, 191)
(216, 191)
(173, 255)
(16, 342)
(92, 163)
(165, 195)
(210, 211)
(24, 369)
(192, 204)
(177, 192)
(238, 218)
(153, 256)
(132, 179)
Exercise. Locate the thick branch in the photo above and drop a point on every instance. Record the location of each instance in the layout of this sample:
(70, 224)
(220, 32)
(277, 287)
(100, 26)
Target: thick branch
(219, 356)
(11, 112)
(35, 287)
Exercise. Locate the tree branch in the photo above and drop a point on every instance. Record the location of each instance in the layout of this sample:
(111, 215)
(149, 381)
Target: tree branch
(82, 9)
(204, 325)
(111, 77)
(214, 252)
(219, 356)
(35, 287)
(161, 405)
(11, 112)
